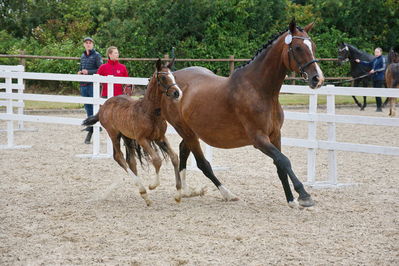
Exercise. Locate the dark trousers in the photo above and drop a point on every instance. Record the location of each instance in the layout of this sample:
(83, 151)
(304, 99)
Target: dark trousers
(87, 91)
(378, 84)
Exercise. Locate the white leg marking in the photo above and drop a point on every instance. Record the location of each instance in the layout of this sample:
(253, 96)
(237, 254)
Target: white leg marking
(138, 182)
(155, 183)
(319, 72)
(226, 194)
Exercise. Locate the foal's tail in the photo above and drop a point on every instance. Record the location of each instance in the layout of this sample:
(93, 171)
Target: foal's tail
(90, 120)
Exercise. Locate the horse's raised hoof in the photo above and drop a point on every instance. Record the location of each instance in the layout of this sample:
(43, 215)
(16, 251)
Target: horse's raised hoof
(306, 202)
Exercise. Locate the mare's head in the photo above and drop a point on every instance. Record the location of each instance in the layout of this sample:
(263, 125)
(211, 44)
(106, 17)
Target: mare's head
(299, 55)
(166, 80)
(343, 53)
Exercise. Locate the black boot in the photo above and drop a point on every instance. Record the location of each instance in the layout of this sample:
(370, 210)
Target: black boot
(88, 137)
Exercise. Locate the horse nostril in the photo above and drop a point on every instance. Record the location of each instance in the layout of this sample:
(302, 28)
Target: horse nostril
(315, 79)
(176, 94)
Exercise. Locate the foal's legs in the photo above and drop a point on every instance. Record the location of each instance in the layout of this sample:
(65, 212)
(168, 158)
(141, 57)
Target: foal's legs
(155, 160)
(118, 157)
(283, 165)
(392, 106)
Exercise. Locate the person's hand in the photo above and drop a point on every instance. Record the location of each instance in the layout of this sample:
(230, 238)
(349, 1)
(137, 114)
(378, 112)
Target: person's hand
(79, 72)
(372, 71)
(357, 60)
(85, 72)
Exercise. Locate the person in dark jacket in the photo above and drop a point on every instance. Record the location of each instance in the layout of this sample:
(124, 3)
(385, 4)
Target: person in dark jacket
(378, 66)
(90, 61)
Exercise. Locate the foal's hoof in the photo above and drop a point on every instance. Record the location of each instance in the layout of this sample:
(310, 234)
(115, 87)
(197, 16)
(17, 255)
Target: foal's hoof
(153, 186)
(306, 202)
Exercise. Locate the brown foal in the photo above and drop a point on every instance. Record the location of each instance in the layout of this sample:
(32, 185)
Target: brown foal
(140, 124)
(243, 109)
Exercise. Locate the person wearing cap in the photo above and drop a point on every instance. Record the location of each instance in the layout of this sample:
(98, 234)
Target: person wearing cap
(90, 61)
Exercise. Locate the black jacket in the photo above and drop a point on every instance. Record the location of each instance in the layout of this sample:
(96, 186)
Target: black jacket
(90, 62)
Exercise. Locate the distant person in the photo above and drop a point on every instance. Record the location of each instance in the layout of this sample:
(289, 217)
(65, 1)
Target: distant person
(114, 68)
(90, 61)
(378, 66)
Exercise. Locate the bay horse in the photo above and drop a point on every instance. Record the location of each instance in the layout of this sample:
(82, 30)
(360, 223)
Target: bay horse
(243, 109)
(392, 78)
(140, 124)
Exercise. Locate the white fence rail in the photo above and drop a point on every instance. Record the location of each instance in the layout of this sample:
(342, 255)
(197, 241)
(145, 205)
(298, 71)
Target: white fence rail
(312, 143)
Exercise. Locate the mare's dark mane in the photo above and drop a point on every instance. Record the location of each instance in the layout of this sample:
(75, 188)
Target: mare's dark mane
(265, 47)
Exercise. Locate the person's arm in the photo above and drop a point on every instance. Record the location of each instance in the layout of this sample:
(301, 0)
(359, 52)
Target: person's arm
(379, 62)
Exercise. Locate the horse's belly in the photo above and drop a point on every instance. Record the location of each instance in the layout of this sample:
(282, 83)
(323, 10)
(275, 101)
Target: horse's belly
(221, 134)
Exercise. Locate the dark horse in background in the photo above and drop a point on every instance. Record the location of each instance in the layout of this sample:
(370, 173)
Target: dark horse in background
(392, 78)
(243, 109)
(358, 72)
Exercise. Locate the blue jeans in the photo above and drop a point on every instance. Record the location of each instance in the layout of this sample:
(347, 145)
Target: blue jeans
(87, 91)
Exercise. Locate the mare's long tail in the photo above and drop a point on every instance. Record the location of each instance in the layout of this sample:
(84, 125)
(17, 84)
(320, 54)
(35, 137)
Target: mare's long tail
(90, 120)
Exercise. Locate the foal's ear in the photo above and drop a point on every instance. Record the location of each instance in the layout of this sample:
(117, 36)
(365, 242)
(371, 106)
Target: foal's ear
(159, 64)
(309, 27)
(292, 26)
(171, 63)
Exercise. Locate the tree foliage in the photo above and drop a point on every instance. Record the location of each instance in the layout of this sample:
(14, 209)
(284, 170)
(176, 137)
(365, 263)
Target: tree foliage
(196, 28)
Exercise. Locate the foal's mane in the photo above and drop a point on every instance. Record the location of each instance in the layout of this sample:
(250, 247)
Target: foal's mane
(266, 46)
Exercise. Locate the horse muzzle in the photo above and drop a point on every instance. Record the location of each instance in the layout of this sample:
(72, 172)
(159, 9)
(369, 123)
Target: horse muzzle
(316, 81)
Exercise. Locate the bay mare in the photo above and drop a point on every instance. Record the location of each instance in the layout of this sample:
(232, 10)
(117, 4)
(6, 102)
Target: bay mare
(243, 109)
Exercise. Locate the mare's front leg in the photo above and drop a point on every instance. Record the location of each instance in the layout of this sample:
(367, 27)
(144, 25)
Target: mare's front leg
(195, 147)
(187, 191)
(284, 168)
(164, 144)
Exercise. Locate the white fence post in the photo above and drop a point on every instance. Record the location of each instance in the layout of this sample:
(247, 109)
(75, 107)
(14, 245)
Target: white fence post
(110, 93)
(10, 123)
(332, 157)
(21, 108)
(96, 128)
(312, 131)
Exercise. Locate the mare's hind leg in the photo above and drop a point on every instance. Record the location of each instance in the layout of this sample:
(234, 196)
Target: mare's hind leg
(283, 165)
(118, 157)
(164, 145)
(364, 103)
(187, 191)
(195, 147)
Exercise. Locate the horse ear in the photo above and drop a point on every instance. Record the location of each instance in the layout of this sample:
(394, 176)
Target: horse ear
(171, 63)
(309, 27)
(292, 26)
(159, 64)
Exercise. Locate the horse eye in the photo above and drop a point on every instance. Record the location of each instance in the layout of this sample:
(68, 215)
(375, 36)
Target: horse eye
(298, 48)
(163, 78)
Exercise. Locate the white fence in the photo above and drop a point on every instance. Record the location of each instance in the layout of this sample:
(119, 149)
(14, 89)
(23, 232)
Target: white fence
(312, 143)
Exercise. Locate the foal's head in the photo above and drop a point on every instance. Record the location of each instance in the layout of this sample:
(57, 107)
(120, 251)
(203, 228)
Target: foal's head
(299, 56)
(166, 81)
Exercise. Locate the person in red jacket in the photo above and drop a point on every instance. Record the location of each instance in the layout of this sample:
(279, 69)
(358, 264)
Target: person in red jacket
(112, 67)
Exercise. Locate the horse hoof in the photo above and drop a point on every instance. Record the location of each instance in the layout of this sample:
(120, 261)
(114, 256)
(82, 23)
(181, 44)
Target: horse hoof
(152, 187)
(148, 202)
(178, 196)
(293, 204)
(306, 202)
